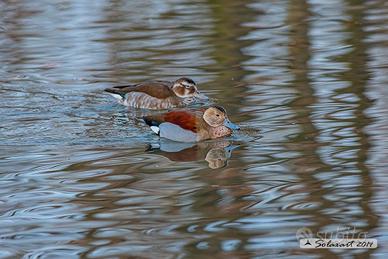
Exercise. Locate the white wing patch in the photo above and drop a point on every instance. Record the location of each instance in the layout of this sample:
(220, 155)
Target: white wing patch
(155, 129)
(118, 97)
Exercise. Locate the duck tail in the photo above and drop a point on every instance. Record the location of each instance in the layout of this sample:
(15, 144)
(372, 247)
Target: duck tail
(116, 93)
(154, 125)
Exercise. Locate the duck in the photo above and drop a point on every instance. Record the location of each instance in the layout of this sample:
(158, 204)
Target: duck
(158, 95)
(188, 125)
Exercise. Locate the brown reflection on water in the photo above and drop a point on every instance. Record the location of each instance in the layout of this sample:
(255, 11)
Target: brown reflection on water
(309, 163)
(227, 44)
(358, 76)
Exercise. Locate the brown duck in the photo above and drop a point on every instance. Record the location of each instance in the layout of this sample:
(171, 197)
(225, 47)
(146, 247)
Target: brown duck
(157, 95)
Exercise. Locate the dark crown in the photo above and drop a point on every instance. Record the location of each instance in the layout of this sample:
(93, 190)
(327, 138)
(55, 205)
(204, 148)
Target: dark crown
(185, 79)
(220, 108)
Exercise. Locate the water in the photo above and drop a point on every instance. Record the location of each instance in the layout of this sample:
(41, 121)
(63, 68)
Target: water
(82, 177)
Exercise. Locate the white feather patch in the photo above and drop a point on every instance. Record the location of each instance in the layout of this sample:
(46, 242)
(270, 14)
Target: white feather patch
(119, 98)
(155, 129)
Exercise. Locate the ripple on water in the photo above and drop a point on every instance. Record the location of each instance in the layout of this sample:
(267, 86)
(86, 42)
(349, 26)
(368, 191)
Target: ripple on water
(82, 176)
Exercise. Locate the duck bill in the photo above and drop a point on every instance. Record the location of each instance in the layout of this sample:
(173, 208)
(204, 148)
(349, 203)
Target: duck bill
(231, 125)
(201, 96)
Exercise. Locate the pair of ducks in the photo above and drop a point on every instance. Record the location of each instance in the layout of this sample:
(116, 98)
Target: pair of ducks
(185, 125)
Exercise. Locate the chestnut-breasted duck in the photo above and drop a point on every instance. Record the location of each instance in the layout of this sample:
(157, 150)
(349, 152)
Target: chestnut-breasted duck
(186, 125)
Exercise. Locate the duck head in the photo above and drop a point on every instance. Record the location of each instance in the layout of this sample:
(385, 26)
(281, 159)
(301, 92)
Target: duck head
(216, 117)
(186, 88)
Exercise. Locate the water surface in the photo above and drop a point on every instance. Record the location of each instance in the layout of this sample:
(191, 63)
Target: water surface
(82, 177)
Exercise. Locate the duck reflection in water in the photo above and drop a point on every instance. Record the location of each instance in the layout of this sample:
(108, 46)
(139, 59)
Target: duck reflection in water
(216, 153)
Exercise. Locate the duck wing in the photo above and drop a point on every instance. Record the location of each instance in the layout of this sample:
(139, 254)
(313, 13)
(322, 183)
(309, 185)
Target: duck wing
(185, 119)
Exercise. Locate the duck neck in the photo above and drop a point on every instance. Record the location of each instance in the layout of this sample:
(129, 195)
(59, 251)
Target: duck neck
(187, 100)
(220, 131)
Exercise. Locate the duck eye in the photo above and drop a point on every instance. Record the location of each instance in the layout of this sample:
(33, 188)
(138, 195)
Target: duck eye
(217, 115)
